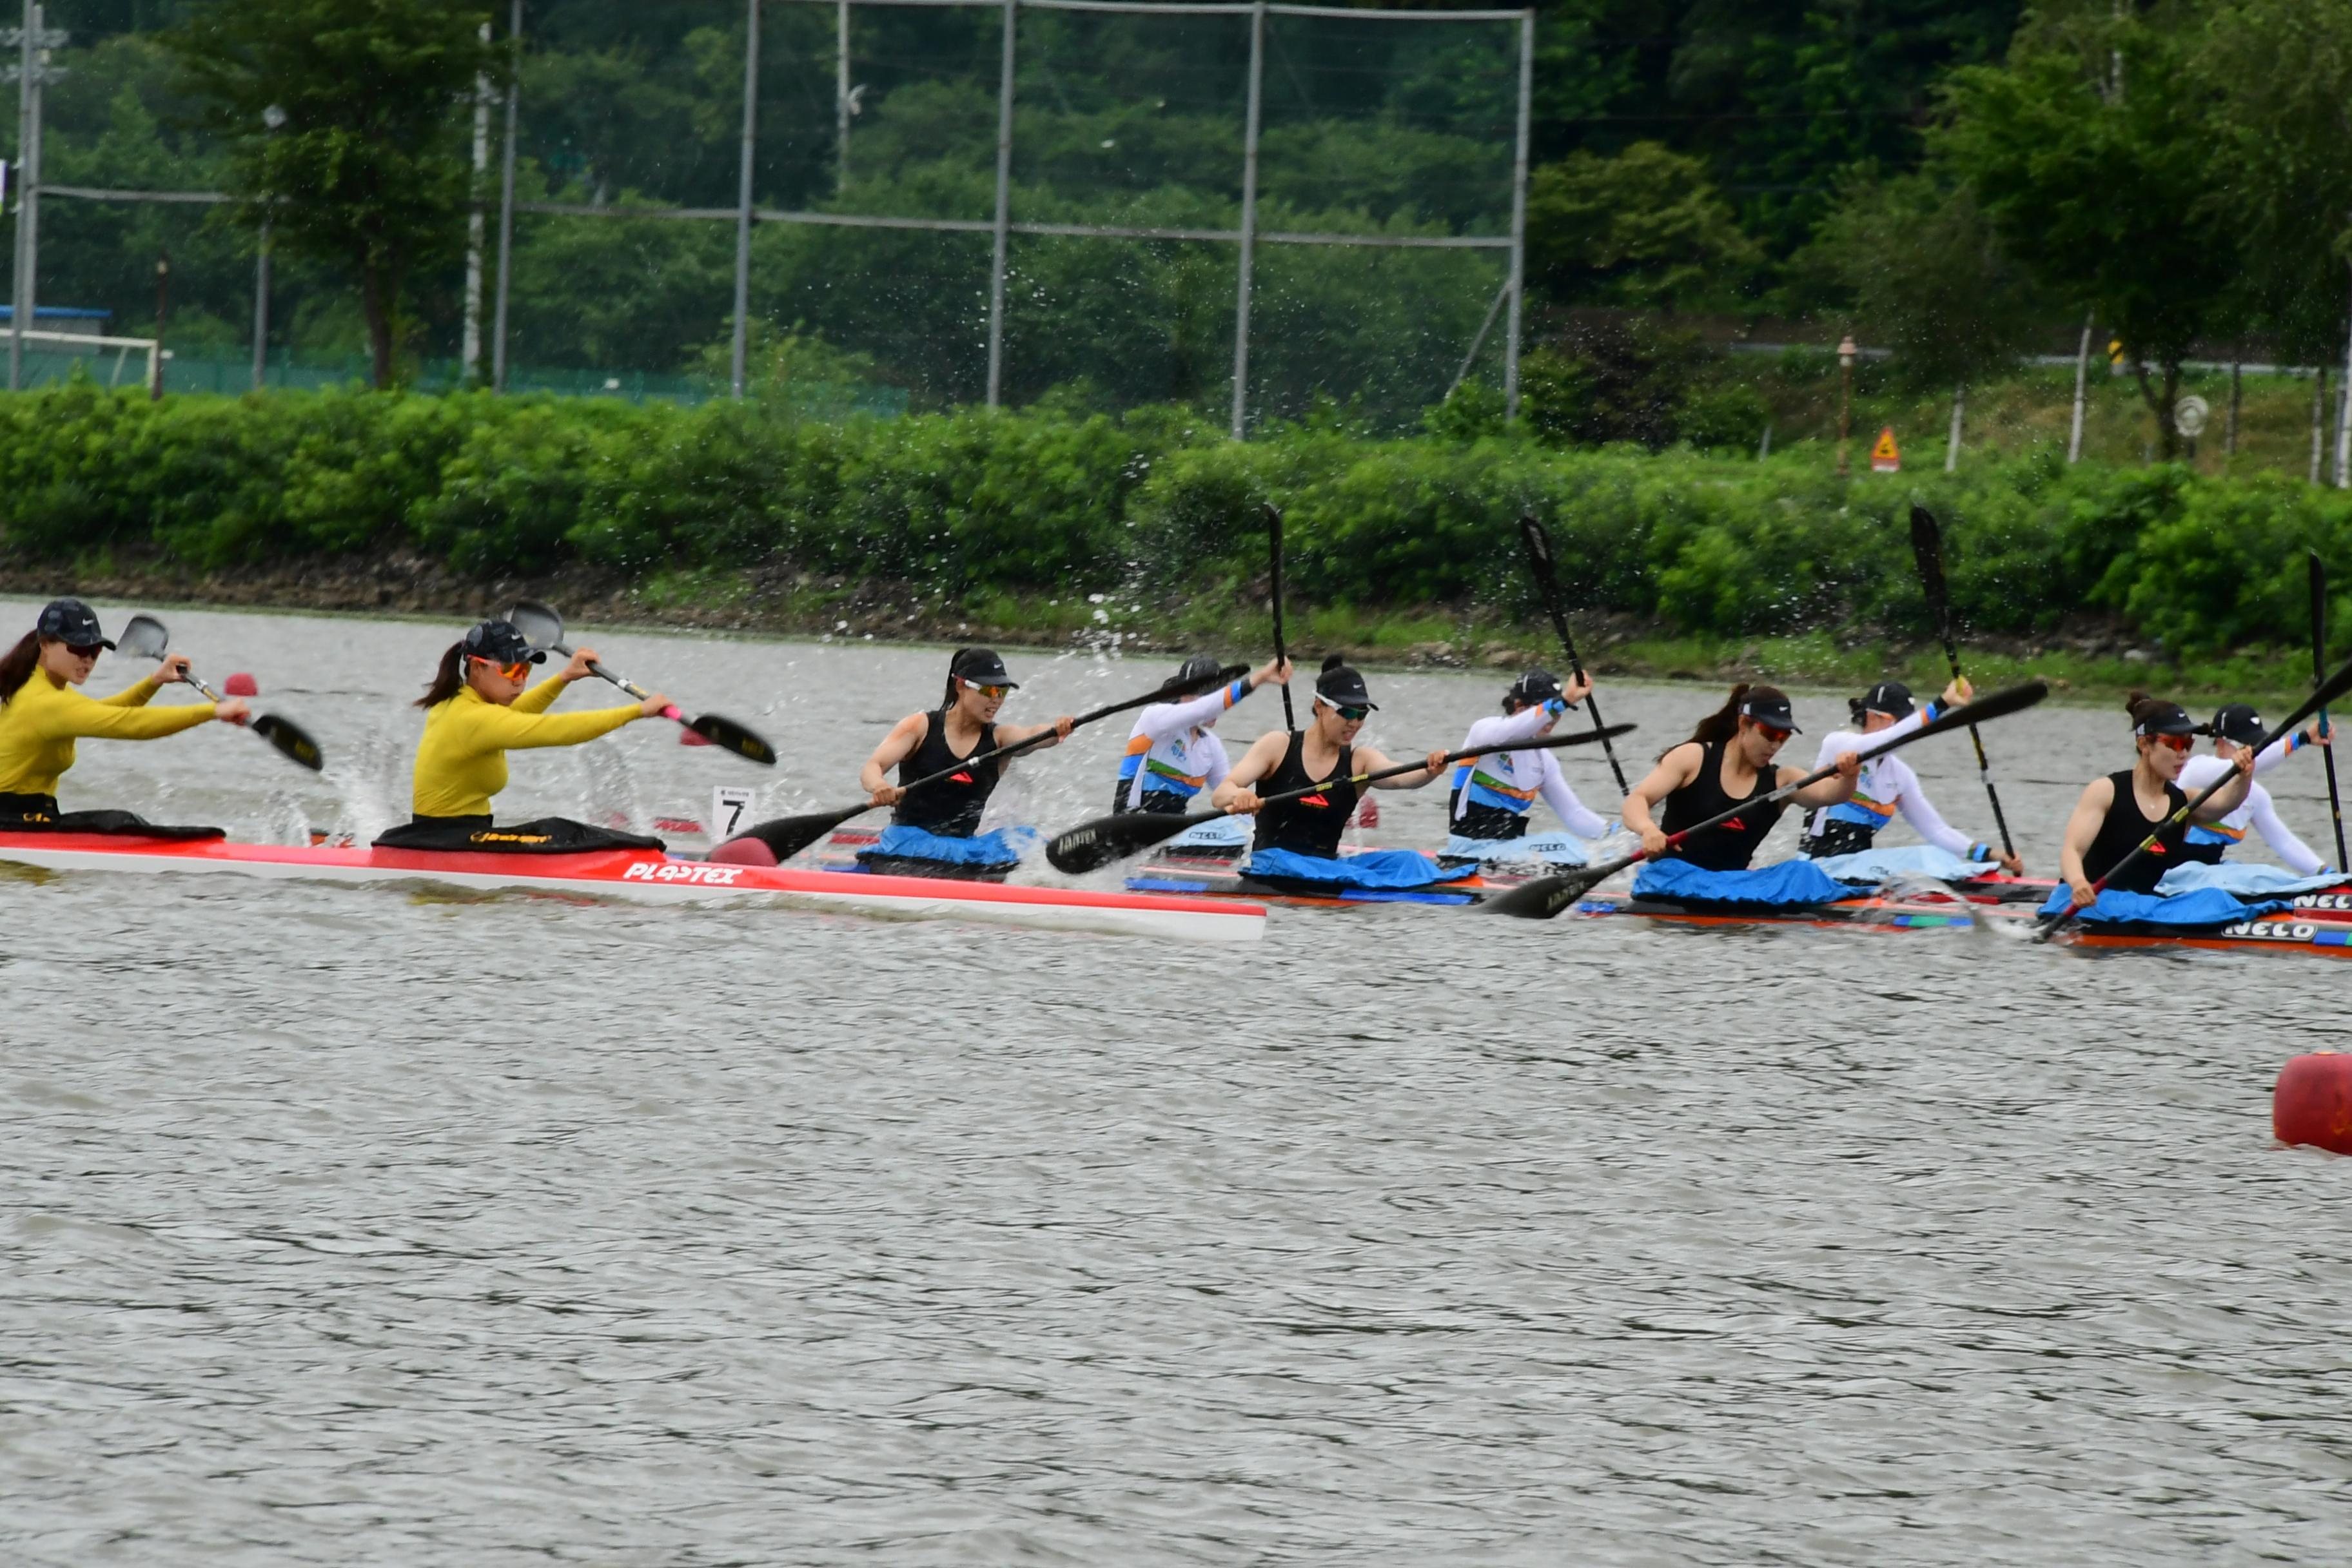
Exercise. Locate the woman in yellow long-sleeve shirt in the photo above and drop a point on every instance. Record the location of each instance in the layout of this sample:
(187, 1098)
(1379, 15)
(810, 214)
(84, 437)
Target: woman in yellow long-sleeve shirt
(41, 717)
(475, 712)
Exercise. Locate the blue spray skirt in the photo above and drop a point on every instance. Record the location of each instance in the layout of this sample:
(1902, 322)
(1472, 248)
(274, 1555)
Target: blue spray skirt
(2207, 908)
(1871, 868)
(1374, 870)
(2245, 879)
(1790, 885)
(1551, 849)
(997, 851)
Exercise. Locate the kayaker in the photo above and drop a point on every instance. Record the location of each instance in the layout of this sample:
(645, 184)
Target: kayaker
(1174, 753)
(1888, 784)
(475, 712)
(1494, 794)
(1728, 758)
(2238, 724)
(1297, 841)
(41, 717)
(935, 827)
(2114, 813)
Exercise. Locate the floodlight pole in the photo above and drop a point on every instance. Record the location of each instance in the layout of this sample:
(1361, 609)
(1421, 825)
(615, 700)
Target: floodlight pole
(506, 201)
(1003, 230)
(1519, 216)
(1249, 218)
(743, 195)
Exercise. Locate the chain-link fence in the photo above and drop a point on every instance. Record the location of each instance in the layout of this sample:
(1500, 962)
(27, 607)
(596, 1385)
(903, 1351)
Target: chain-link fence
(1246, 209)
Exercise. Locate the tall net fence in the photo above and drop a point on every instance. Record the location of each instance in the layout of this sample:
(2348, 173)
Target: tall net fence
(929, 203)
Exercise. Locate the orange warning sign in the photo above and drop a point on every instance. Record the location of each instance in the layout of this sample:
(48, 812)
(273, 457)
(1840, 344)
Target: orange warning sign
(1884, 458)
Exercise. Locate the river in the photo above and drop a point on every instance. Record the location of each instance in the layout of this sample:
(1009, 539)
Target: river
(355, 1225)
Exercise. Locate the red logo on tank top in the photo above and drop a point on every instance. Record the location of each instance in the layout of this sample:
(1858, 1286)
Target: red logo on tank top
(959, 778)
(1313, 800)
(1735, 825)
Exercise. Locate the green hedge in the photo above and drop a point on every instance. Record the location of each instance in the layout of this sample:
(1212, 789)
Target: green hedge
(974, 503)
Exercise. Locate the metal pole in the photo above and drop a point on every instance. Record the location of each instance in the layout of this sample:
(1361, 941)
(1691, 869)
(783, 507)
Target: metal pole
(506, 201)
(470, 354)
(2344, 420)
(2082, 378)
(1250, 126)
(261, 310)
(743, 195)
(841, 98)
(1003, 215)
(20, 295)
(1519, 217)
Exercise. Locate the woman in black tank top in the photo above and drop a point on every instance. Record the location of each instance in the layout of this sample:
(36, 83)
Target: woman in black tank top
(963, 726)
(2113, 817)
(1284, 760)
(1727, 761)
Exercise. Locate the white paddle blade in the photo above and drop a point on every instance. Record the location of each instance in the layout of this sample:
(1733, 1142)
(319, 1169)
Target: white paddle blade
(145, 637)
(540, 626)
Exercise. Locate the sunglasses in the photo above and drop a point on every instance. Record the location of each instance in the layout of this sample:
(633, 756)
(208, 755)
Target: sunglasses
(2178, 742)
(1772, 733)
(511, 672)
(85, 650)
(989, 691)
(1352, 712)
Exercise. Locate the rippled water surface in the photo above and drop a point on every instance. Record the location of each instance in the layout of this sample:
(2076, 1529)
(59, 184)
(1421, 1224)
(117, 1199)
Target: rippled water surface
(348, 1225)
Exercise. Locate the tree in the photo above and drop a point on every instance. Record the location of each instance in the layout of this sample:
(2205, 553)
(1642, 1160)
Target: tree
(2107, 194)
(1643, 228)
(344, 130)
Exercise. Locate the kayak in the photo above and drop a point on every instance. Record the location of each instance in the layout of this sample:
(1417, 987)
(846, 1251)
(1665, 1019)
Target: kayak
(651, 876)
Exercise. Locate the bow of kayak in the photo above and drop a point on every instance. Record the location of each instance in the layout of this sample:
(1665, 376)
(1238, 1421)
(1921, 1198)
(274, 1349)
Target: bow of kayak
(651, 877)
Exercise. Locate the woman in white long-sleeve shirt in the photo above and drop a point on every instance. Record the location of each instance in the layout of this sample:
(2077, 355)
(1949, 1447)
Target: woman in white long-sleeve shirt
(1494, 794)
(1888, 784)
(2239, 725)
(1174, 753)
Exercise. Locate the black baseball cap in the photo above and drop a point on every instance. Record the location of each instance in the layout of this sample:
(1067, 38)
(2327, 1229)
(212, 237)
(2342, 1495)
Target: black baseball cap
(2239, 723)
(1769, 708)
(500, 643)
(1891, 698)
(1535, 686)
(980, 667)
(1340, 687)
(72, 623)
(2164, 719)
(1199, 671)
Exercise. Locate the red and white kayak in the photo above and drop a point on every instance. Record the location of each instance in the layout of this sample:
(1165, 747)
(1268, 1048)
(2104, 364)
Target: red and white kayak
(651, 877)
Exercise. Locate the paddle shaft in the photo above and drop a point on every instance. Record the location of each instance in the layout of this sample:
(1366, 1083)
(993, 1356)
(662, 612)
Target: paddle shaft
(1927, 546)
(2319, 672)
(631, 687)
(1281, 654)
(1169, 693)
(2329, 689)
(1538, 540)
(1541, 742)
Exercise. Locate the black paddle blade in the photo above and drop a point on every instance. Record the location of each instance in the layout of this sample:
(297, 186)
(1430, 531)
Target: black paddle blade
(788, 836)
(726, 733)
(1091, 846)
(291, 740)
(144, 636)
(540, 625)
(1538, 543)
(1927, 550)
(1546, 897)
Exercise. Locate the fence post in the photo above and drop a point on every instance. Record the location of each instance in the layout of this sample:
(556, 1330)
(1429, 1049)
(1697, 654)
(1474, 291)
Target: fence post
(1003, 214)
(1249, 218)
(261, 308)
(744, 194)
(506, 202)
(1519, 217)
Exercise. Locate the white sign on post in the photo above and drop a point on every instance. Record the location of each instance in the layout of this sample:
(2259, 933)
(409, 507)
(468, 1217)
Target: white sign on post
(2190, 416)
(729, 805)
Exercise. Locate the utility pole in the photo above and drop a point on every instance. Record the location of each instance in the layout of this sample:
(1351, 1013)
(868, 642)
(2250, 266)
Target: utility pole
(32, 70)
(843, 103)
(477, 227)
(1846, 351)
(741, 346)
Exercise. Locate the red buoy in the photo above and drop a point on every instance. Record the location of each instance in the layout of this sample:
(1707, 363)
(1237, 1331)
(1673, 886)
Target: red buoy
(2313, 1103)
(744, 852)
(241, 685)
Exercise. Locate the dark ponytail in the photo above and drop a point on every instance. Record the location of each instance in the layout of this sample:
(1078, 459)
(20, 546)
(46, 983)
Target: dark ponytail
(1723, 722)
(2138, 704)
(954, 660)
(17, 666)
(448, 679)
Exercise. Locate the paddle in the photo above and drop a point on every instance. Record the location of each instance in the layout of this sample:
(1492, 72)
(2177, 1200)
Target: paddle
(146, 637)
(2334, 686)
(1538, 540)
(542, 628)
(2318, 669)
(1547, 896)
(1095, 844)
(1274, 549)
(1927, 549)
(788, 836)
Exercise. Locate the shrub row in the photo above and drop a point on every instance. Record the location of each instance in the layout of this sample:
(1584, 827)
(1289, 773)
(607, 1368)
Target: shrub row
(975, 503)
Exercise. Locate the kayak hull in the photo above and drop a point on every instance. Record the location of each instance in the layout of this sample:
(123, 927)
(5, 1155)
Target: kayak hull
(643, 876)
